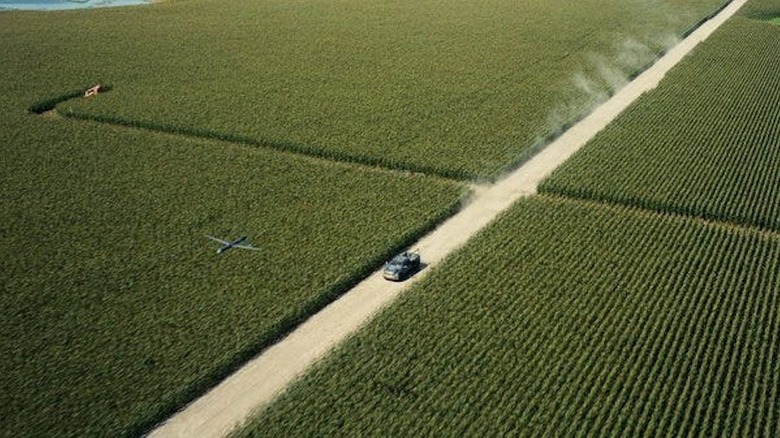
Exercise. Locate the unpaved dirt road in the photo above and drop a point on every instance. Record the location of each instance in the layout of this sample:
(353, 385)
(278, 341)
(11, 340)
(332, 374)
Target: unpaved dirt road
(230, 403)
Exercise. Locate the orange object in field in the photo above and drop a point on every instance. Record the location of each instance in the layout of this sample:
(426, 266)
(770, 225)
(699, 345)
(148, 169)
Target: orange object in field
(92, 91)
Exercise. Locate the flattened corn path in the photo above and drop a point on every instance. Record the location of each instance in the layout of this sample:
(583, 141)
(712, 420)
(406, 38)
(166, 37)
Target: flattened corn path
(230, 403)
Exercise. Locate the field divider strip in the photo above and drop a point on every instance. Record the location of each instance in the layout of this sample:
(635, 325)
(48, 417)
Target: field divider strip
(303, 149)
(49, 104)
(639, 205)
(252, 387)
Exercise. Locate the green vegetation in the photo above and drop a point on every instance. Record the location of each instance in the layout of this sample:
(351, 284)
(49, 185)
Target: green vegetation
(562, 319)
(567, 317)
(706, 142)
(461, 89)
(761, 9)
(114, 308)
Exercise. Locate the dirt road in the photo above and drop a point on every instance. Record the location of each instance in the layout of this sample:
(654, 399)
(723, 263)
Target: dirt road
(253, 386)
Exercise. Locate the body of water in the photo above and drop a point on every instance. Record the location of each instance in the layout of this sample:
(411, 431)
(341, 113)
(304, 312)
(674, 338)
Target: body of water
(58, 5)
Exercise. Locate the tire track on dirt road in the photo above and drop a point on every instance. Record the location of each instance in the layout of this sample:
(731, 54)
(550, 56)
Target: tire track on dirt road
(230, 403)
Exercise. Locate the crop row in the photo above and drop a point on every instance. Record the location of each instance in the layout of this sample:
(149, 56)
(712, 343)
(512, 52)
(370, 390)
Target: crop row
(564, 319)
(705, 143)
(461, 89)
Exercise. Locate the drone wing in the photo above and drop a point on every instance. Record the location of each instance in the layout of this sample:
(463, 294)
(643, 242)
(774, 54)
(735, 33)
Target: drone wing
(224, 242)
(247, 247)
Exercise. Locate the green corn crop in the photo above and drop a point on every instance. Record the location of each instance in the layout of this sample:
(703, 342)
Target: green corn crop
(706, 143)
(564, 318)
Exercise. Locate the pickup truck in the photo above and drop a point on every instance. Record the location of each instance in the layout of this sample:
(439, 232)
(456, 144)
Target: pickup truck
(402, 266)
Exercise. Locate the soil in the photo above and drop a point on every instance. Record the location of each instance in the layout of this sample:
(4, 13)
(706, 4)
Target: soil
(233, 401)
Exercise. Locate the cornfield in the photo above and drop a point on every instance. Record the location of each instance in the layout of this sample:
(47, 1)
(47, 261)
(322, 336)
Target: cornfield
(564, 319)
(706, 143)
(116, 311)
(463, 90)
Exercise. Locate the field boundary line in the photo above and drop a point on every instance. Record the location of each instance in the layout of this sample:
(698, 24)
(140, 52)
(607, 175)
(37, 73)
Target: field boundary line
(299, 149)
(229, 404)
(640, 204)
(737, 227)
(49, 105)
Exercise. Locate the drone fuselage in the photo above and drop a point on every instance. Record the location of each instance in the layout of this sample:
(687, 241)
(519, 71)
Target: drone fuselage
(231, 244)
